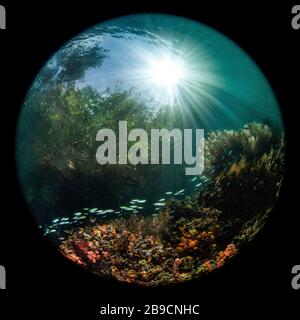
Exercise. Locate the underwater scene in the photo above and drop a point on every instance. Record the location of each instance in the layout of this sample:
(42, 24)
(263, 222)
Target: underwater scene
(104, 200)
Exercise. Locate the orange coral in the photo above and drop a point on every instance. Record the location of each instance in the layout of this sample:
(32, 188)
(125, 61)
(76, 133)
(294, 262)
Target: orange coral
(193, 244)
(207, 265)
(229, 252)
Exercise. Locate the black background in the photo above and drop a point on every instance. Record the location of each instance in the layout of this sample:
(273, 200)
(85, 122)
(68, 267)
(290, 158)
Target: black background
(40, 282)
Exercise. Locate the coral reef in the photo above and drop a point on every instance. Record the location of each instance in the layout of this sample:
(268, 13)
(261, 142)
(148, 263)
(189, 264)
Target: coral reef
(199, 233)
(111, 250)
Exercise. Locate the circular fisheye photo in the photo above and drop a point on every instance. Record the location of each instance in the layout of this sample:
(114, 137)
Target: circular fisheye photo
(150, 149)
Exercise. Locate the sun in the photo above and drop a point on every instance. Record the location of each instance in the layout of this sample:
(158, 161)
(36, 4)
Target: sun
(166, 72)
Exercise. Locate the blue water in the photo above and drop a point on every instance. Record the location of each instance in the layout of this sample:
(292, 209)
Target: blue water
(222, 88)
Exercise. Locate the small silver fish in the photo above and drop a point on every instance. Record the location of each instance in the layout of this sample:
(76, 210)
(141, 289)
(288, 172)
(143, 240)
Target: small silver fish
(126, 208)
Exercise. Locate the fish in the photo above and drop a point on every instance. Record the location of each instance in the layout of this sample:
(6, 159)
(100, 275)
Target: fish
(160, 204)
(179, 192)
(161, 199)
(169, 192)
(198, 185)
(78, 214)
(55, 220)
(192, 180)
(64, 219)
(109, 210)
(70, 164)
(126, 208)
(93, 210)
(133, 206)
(141, 201)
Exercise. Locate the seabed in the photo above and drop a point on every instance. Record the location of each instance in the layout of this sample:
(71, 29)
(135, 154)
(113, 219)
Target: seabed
(198, 233)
